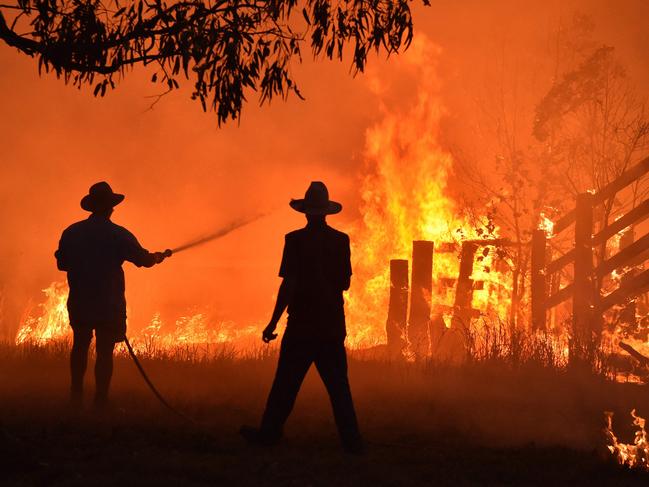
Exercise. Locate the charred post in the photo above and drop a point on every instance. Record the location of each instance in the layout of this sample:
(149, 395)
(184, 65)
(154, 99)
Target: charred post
(464, 289)
(421, 285)
(398, 307)
(539, 282)
(584, 328)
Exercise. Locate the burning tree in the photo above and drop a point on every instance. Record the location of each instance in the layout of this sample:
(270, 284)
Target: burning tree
(225, 47)
(582, 132)
(594, 127)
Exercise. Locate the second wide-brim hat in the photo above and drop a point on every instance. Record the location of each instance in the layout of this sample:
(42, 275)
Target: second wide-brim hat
(316, 201)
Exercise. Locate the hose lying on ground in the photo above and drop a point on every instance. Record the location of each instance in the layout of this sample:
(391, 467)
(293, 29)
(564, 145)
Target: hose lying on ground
(153, 388)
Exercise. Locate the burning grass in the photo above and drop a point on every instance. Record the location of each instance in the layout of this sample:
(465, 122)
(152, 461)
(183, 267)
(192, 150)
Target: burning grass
(486, 421)
(633, 455)
(490, 386)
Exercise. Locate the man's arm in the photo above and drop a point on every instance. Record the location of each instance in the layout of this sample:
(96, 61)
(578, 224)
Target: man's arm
(347, 263)
(60, 255)
(138, 255)
(283, 299)
(287, 271)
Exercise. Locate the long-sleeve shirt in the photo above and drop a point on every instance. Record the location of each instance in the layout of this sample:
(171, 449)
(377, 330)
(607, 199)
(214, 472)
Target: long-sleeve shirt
(92, 252)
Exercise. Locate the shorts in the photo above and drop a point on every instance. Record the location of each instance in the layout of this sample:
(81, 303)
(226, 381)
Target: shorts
(115, 332)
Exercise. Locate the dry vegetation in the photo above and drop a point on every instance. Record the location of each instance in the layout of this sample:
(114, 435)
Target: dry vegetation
(491, 421)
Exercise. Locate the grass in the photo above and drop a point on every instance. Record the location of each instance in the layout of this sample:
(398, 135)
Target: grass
(487, 422)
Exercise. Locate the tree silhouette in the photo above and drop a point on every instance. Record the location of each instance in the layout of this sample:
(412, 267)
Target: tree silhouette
(224, 47)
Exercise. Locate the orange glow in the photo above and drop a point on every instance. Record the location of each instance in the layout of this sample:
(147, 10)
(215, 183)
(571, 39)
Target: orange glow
(385, 156)
(404, 197)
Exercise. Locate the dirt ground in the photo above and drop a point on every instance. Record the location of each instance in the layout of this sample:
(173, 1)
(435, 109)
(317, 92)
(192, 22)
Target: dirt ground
(485, 424)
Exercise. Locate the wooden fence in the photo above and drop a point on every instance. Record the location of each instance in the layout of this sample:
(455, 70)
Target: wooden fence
(423, 323)
(588, 304)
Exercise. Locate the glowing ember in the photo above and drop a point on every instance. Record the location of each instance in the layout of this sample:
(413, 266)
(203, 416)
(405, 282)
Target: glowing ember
(632, 455)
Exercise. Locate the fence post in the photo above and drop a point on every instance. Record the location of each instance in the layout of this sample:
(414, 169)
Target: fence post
(464, 288)
(583, 298)
(538, 278)
(628, 313)
(398, 307)
(421, 287)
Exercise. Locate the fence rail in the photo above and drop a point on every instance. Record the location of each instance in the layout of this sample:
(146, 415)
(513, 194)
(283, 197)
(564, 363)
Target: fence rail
(410, 308)
(588, 304)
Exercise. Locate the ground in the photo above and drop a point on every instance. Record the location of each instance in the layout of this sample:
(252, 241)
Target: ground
(483, 424)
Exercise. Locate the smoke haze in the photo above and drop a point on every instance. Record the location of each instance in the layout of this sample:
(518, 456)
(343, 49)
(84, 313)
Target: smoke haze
(183, 176)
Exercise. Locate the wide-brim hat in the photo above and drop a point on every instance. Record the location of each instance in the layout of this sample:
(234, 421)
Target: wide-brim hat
(100, 197)
(316, 201)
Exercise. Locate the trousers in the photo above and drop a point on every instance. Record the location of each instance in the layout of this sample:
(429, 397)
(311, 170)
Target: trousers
(295, 359)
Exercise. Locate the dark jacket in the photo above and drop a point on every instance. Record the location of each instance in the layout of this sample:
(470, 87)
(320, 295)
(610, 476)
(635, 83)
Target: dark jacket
(92, 252)
(317, 259)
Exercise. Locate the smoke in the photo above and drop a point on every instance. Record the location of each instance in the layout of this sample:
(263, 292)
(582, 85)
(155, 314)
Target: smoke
(182, 175)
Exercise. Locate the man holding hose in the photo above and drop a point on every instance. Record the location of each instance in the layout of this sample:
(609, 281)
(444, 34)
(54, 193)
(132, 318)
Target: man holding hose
(92, 252)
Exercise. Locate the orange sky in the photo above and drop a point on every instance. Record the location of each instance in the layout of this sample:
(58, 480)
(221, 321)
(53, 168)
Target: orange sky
(183, 176)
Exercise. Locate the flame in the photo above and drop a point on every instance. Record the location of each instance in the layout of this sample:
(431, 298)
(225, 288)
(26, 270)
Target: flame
(546, 225)
(634, 455)
(51, 323)
(196, 329)
(405, 197)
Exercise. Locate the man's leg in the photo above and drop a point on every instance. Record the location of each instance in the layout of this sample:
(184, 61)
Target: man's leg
(79, 362)
(331, 362)
(104, 345)
(294, 362)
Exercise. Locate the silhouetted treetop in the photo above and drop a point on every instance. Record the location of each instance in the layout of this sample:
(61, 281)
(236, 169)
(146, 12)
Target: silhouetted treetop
(224, 47)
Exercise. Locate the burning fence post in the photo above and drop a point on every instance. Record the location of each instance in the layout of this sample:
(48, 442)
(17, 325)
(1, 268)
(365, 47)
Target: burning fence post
(539, 284)
(628, 312)
(421, 285)
(464, 290)
(583, 316)
(398, 308)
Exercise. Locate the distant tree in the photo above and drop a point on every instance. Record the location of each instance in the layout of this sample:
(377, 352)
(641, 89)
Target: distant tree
(224, 47)
(594, 126)
(501, 176)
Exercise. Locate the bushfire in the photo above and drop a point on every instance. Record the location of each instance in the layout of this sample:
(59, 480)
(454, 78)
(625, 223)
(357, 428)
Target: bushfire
(405, 198)
(397, 208)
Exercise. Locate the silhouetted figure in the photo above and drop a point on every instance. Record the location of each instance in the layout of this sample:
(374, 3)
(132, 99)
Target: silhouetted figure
(92, 252)
(316, 269)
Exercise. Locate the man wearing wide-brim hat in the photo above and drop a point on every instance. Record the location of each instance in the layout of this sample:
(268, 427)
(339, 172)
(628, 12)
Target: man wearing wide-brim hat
(92, 252)
(316, 269)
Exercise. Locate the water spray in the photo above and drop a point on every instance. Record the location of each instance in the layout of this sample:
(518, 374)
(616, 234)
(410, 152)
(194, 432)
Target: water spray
(221, 232)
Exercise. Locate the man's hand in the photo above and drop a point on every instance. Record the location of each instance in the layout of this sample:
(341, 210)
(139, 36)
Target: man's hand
(160, 256)
(269, 334)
